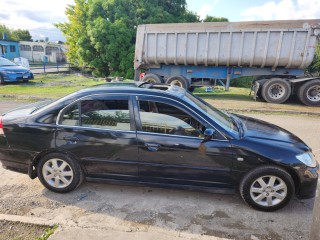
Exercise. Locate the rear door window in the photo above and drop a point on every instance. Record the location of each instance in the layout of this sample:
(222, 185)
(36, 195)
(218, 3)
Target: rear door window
(101, 113)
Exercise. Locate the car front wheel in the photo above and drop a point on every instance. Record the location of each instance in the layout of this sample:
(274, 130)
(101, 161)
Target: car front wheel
(59, 173)
(267, 188)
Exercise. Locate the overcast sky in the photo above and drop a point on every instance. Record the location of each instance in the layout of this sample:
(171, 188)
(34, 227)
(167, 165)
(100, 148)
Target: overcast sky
(38, 15)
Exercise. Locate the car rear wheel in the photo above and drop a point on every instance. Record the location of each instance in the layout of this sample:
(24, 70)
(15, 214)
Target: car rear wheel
(267, 188)
(59, 173)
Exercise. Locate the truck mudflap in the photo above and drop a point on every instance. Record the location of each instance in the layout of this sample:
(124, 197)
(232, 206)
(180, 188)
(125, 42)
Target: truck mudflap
(255, 88)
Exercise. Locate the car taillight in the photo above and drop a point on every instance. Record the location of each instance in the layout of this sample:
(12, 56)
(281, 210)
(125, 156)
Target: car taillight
(1, 127)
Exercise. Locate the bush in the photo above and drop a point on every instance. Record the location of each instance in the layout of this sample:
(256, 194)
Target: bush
(243, 82)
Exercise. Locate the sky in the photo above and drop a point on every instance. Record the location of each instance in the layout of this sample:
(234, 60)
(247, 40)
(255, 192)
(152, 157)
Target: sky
(38, 16)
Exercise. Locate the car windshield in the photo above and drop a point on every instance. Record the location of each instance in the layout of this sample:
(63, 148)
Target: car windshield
(219, 117)
(5, 62)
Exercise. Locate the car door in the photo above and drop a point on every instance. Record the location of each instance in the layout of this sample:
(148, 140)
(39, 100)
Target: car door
(171, 147)
(100, 132)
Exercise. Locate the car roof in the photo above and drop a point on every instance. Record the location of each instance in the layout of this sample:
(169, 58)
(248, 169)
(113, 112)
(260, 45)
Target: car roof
(135, 88)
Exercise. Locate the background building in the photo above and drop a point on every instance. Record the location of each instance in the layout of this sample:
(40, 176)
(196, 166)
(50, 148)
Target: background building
(42, 51)
(9, 49)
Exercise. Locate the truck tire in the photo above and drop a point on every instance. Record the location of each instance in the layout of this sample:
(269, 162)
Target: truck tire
(276, 90)
(152, 78)
(180, 81)
(309, 93)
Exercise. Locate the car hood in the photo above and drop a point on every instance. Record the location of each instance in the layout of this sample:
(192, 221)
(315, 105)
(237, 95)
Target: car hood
(269, 133)
(13, 68)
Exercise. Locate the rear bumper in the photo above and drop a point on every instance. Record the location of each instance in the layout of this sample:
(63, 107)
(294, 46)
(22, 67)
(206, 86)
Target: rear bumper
(15, 161)
(14, 166)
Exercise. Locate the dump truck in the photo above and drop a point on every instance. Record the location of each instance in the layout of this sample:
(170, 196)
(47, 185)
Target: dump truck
(274, 53)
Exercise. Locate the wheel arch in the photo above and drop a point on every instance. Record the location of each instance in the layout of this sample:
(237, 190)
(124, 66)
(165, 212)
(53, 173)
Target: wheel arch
(292, 173)
(32, 169)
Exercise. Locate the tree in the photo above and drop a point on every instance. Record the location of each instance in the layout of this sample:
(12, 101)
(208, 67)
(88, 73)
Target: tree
(101, 33)
(314, 67)
(215, 19)
(21, 35)
(5, 30)
(15, 35)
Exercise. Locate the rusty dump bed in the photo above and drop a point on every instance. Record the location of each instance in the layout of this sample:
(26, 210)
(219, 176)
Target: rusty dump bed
(289, 43)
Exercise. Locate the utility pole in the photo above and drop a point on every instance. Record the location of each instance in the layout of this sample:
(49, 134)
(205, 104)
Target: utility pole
(315, 228)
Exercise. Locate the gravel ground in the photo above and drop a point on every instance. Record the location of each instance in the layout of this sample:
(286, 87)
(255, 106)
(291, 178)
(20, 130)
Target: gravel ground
(20, 231)
(143, 209)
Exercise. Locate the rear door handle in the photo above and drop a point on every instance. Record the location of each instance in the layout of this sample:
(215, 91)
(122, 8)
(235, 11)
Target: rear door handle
(71, 140)
(152, 147)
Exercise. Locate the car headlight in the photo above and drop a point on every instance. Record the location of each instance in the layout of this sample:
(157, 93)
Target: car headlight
(307, 158)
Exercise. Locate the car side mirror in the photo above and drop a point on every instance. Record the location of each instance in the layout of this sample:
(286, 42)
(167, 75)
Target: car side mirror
(208, 134)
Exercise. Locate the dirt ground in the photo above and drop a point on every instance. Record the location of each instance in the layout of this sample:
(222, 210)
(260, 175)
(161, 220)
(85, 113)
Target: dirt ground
(20, 231)
(173, 212)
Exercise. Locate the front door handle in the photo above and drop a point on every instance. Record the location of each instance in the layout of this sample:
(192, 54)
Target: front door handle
(152, 147)
(71, 140)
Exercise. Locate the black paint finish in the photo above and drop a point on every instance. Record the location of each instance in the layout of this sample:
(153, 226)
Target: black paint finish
(150, 158)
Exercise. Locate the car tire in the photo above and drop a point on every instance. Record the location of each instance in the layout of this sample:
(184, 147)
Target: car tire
(267, 188)
(309, 93)
(152, 78)
(59, 172)
(180, 81)
(276, 90)
(25, 81)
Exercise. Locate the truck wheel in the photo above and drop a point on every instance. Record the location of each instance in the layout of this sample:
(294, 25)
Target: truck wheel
(152, 78)
(309, 93)
(267, 188)
(276, 90)
(180, 81)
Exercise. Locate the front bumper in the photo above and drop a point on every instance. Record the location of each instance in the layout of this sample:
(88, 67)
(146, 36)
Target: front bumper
(16, 77)
(308, 182)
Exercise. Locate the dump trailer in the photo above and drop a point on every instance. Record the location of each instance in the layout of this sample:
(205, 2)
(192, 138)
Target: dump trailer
(190, 55)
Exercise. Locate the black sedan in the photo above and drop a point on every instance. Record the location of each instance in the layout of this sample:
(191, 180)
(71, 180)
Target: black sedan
(156, 136)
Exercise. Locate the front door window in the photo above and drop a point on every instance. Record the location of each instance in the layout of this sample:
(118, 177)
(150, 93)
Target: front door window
(162, 118)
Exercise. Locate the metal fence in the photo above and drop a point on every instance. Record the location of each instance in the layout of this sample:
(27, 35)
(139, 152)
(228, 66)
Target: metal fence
(38, 68)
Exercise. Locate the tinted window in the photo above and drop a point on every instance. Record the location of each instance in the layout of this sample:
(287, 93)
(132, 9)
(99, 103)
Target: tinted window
(221, 118)
(71, 116)
(163, 118)
(110, 114)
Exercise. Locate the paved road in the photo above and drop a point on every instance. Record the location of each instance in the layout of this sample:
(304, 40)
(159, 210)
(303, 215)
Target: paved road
(154, 211)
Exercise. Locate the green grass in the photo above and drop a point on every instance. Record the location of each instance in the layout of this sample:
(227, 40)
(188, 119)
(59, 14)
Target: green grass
(48, 232)
(48, 86)
(234, 93)
(59, 85)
